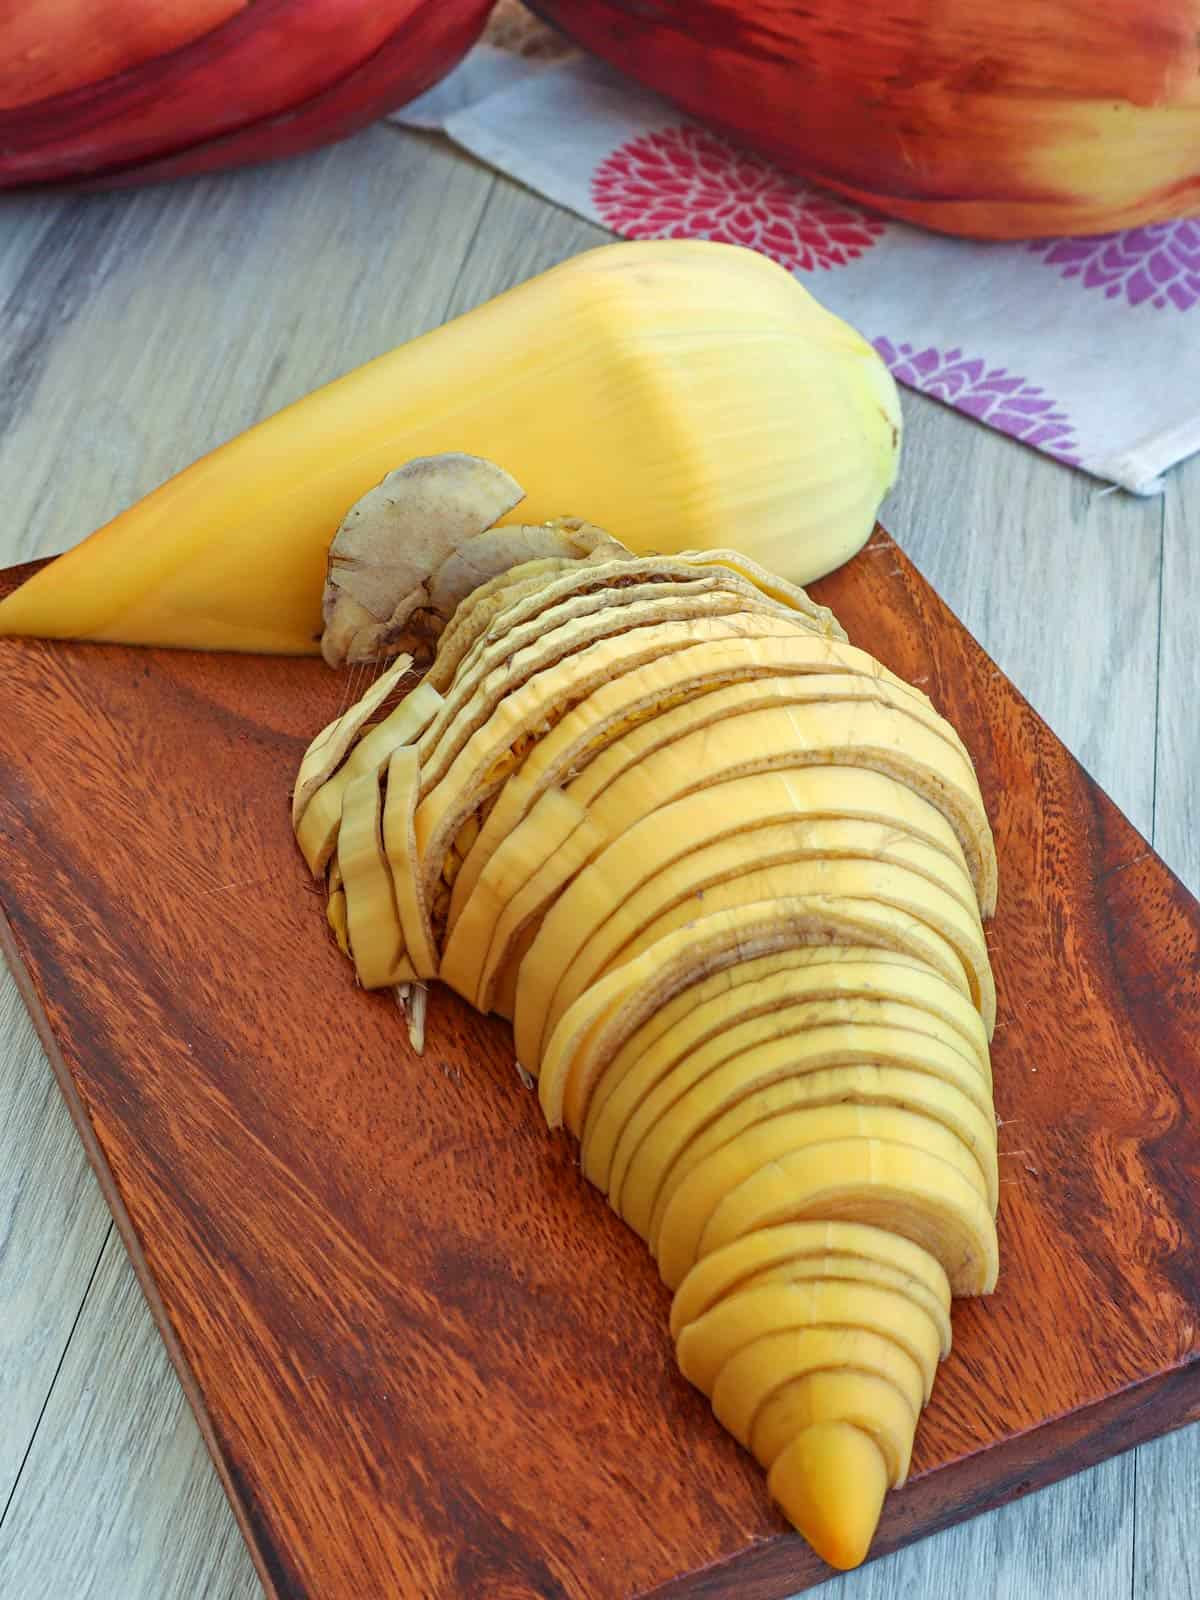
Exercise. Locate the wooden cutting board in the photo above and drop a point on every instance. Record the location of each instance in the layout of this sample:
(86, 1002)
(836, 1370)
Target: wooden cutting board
(427, 1359)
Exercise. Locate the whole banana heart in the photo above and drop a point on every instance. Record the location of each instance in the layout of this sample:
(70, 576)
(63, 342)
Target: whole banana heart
(996, 121)
(117, 92)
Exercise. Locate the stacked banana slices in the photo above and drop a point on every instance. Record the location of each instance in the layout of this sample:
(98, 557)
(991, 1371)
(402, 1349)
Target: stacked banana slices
(725, 873)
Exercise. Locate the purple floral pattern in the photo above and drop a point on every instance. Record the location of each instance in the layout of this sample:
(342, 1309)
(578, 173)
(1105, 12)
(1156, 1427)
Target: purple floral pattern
(1157, 265)
(995, 396)
(687, 183)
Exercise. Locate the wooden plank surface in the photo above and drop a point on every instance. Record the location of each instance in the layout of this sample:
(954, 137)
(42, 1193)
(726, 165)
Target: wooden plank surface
(138, 373)
(373, 1269)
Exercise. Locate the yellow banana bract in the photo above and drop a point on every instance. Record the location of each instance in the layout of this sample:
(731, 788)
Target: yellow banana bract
(666, 387)
(913, 1192)
(772, 1249)
(764, 1145)
(704, 1346)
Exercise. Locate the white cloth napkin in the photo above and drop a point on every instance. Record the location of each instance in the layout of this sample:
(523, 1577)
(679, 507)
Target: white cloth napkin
(1087, 349)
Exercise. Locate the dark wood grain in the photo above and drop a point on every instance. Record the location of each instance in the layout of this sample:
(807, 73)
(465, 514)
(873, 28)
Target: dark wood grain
(427, 1358)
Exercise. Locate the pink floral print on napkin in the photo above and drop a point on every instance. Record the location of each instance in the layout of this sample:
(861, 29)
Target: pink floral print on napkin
(687, 183)
(993, 395)
(1159, 263)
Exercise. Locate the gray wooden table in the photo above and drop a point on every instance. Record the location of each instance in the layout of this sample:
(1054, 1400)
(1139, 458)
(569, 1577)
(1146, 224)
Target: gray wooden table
(135, 332)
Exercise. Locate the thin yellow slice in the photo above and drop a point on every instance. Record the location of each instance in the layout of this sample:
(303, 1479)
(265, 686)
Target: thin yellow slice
(556, 819)
(318, 829)
(715, 679)
(618, 790)
(496, 750)
(778, 858)
(325, 752)
(802, 1269)
(766, 1144)
(830, 1483)
(874, 733)
(668, 1157)
(593, 1029)
(506, 663)
(852, 883)
(866, 1402)
(400, 848)
(764, 1364)
(335, 915)
(482, 608)
(883, 881)
(612, 596)
(755, 988)
(372, 921)
(723, 1271)
(800, 1037)
(768, 814)
(797, 1030)
(892, 1186)
(783, 1003)
(704, 1346)
(827, 793)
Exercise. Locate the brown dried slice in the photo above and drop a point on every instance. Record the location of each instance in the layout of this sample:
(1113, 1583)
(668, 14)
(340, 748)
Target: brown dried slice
(641, 711)
(372, 921)
(395, 537)
(400, 847)
(318, 829)
(597, 1025)
(666, 903)
(759, 1088)
(755, 1256)
(678, 852)
(706, 1015)
(325, 753)
(911, 1192)
(498, 550)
